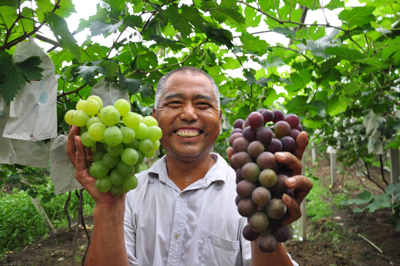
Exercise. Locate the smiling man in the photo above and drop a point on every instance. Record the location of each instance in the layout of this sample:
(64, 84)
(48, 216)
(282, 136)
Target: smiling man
(183, 211)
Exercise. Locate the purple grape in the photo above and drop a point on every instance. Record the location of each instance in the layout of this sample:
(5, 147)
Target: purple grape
(266, 160)
(255, 148)
(294, 133)
(281, 233)
(274, 146)
(278, 116)
(258, 222)
(292, 119)
(241, 158)
(264, 135)
(266, 243)
(299, 128)
(268, 178)
(237, 199)
(281, 129)
(288, 144)
(239, 176)
(240, 144)
(276, 208)
(290, 193)
(246, 207)
(249, 134)
(261, 196)
(249, 233)
(251, 171)
(233, 137)
(280, 186)
(256, 120)
(261, 110)
(236, 130)
(268, 116)
(238, 123)
(245, 189)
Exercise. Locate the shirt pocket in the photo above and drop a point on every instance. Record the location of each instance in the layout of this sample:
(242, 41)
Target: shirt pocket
(218, 251)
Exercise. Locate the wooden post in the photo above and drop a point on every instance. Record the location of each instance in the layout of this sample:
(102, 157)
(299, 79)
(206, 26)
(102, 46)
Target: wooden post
(313, 156)
(394, 166)
(333, 168)
(41, 211)
(303, 211)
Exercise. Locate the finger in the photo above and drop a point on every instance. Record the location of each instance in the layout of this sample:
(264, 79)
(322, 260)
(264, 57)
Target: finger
(293, 207)
(301, 144)
(230, 151)
(80, 161)
(301, 186)
(70, 146)
(293, 164)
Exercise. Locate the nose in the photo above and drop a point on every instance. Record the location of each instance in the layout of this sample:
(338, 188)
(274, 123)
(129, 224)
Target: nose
(189, 112)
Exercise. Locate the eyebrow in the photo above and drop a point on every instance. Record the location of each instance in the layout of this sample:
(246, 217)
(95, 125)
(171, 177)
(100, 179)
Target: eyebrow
(181, 95)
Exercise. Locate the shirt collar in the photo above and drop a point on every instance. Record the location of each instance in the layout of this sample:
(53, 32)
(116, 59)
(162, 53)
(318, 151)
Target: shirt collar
(217, 172)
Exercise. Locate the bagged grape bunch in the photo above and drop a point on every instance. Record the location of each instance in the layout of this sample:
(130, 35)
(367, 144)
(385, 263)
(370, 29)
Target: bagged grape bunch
(119, 140)
(260, 180)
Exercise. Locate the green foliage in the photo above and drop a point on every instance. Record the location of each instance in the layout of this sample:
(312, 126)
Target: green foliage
(317, 208)
(20, 223)
(391, 200)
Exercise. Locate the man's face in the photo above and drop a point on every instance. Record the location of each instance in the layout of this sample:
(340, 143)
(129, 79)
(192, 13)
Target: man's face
(188, 116)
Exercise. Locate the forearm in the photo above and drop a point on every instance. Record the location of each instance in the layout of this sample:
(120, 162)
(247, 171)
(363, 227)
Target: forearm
(107, 246)
(278, 257)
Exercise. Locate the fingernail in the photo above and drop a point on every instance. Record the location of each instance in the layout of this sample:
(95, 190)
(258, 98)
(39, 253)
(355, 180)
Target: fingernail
(75, 140)
(291, 181)
(287, 198)
(281, 155)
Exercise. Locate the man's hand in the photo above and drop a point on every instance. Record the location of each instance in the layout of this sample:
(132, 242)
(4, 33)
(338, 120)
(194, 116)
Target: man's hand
(300, 185)
(77, 155)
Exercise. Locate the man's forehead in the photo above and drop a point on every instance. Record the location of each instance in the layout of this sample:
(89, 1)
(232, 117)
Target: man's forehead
(197, 83)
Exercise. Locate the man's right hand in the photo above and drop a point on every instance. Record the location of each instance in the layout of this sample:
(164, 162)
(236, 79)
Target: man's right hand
(77, 155)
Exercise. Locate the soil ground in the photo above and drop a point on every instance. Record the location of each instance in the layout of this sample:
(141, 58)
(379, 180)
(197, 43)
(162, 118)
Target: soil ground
(331, 241)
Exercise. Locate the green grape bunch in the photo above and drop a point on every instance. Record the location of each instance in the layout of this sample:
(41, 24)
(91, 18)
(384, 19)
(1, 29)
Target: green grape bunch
(119, 140)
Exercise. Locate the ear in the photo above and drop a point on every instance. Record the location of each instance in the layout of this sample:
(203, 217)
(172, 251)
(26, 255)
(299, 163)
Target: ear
(155, 113)
(220, 120)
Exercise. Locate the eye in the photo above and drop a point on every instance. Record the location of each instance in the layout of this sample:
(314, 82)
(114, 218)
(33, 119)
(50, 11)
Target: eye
(174, 104)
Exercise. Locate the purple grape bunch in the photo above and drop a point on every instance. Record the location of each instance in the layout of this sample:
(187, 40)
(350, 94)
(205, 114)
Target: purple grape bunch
(260, 179)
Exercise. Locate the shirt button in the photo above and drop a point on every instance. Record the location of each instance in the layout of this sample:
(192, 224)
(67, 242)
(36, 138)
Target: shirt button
(176, 236)
(182, 195)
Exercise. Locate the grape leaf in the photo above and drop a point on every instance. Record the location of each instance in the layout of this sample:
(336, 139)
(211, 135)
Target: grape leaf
(8, 2)
(164, 42)
(98, 27)
(13, 76)
(345, 53)
(254, 43)
(250, 79)
(133, 21)
(285, 31)
(220, 36)
(333, 4)
(88, 72)
(299, 80)
(357, 16)
(60, 29)
(147, 90)
(30, 68)
(110, 67)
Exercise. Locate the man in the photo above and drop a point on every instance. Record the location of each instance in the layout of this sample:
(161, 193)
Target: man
(183, 211)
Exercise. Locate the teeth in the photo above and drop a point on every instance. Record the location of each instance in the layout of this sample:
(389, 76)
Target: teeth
(188, 133)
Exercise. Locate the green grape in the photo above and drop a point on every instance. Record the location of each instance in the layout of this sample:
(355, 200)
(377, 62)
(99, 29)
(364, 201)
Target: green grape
(110, 161)
(129, 156)
(100, 147)
(96, 131)
(116, 190)
(128, 134)
(134, 144)
(130, 182)
(109, 115)
(149, 121)
(115, 150)
(123, 106)
(149, 154)
(99, 170)
(97, 99)
(116, 178)
(155, 133)
(93, 120)
(91, 107)
(145, 145)
(140, 160)
(68, 117)
(131, 120)
(156, 145)
(86, 140)
(98, 156)
(93, 148)
(141, 131)
(125, 169)
(83, 129)
(103, 185)
(112, 136)
(80, 105)
(79, 118)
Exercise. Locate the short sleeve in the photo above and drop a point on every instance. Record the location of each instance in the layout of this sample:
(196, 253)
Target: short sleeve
(130, 233)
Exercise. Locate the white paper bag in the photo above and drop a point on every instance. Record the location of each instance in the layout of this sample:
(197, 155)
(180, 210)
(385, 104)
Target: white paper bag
(62, 172)
(109, 92)
(30, 153)
(33, 112)
(6, 150)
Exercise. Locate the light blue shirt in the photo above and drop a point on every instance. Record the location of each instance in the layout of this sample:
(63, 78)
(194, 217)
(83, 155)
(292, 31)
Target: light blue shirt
(197, 226)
